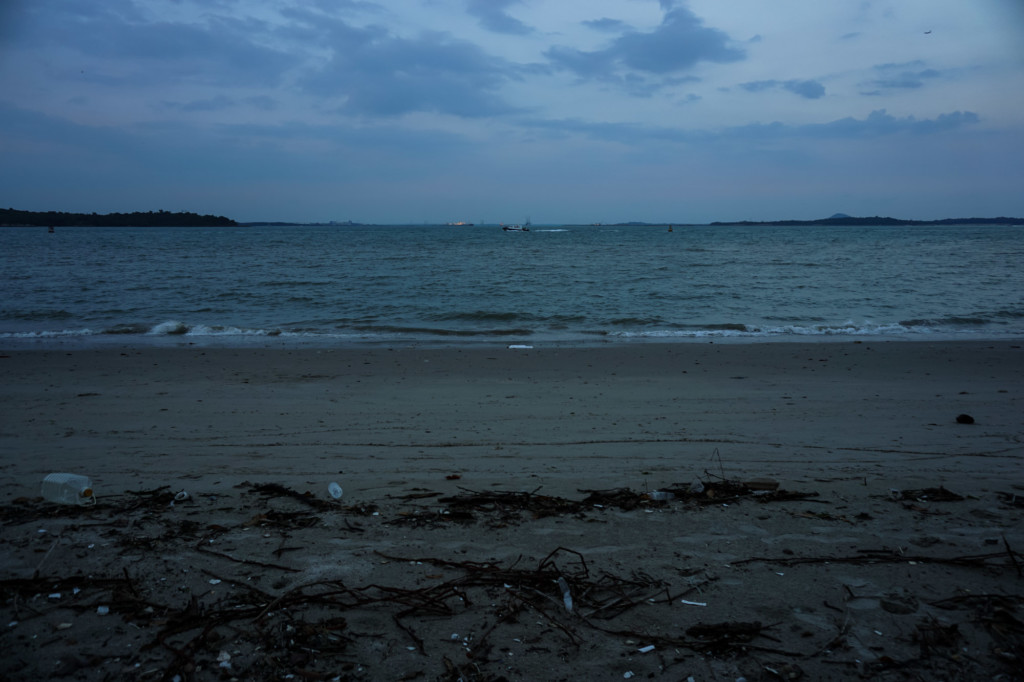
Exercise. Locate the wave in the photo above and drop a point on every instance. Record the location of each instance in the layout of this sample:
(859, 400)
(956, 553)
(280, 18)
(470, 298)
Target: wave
(35, 315)
(976, 319)
(435, 331)
(484, 326)
(910, 328)
(509, 316)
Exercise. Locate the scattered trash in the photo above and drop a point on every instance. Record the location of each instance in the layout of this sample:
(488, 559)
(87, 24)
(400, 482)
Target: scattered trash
(661, 496)
(102, 610)
(761, 484)
(566, 595)
(335, 490)
(939, 494)
(646, 649)
(693, 603)
(181, 496)
(67, 489)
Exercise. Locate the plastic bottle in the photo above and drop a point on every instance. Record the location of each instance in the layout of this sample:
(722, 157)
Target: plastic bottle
(68, 489)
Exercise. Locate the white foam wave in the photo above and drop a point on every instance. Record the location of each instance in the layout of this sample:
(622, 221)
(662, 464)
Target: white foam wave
(753, 331)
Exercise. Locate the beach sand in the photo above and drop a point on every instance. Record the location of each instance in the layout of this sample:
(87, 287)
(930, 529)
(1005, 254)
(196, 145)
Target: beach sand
(891, 549)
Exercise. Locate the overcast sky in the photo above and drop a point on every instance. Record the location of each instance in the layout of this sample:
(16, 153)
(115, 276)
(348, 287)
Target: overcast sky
(390, 111)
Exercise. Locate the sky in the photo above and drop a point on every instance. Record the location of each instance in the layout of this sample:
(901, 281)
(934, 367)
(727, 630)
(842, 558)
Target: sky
(561, 111)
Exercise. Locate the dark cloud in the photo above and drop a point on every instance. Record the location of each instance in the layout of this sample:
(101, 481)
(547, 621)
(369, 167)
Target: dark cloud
(606, 25)
(678, 44)
(378, 74)
(908, 76)
(118, 44)
(493, 17)
(808, 89)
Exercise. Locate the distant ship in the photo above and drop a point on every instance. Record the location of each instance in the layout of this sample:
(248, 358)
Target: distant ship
(460, 223)
(525, 227)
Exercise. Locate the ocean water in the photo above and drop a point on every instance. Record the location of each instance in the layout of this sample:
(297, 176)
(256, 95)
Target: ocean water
(441, 285)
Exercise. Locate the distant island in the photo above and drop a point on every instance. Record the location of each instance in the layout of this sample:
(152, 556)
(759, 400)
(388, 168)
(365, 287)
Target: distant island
(10, 217)
(842, 219)
(839, 219)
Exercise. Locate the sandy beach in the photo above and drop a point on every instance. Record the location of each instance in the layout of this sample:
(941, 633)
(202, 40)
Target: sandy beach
(829, 517)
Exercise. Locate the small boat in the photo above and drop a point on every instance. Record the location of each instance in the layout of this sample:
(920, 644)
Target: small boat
(525, 227)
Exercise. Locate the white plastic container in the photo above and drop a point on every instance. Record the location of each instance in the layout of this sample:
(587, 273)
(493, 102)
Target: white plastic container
(67, 489)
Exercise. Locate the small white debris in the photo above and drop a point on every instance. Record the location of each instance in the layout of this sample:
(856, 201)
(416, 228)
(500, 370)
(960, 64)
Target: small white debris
(64, 626)
(53, 595)
(646, 649)
(102, 610)
(214, 581)
(566, 595)
(628, 674)
(693, 603)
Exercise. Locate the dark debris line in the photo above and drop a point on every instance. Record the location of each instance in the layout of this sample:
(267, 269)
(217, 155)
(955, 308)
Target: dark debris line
(305, 630)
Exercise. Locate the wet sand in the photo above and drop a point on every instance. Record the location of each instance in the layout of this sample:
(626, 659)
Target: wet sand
(849, 579)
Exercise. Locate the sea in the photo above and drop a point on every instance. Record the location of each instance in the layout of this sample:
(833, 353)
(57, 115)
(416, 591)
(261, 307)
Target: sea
(419, 285)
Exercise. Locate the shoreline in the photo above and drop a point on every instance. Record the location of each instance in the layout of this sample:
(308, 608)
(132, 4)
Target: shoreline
(693, 397)
(59, 341)
(870, 569)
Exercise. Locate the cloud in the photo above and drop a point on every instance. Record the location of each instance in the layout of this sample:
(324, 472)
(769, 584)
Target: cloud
(878, 123)
(493, 17)
(908, 76)
(678, 44)
(809, 89)
(376, 73)
(128, 48)
(607, 25)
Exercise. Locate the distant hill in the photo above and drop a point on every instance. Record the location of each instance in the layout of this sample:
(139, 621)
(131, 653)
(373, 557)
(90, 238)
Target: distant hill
(841, 219)
(12, 217)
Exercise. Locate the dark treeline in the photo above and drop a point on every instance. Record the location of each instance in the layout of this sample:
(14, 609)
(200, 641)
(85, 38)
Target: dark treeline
(10, 216)
(877, 220)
